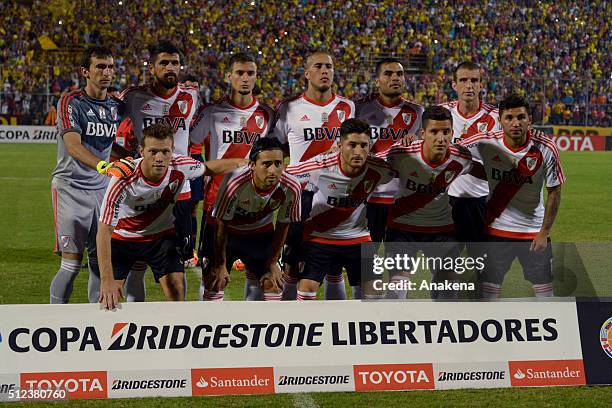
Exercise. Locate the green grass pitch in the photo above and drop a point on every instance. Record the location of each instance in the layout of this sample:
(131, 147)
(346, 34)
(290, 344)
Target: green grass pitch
(27, 266)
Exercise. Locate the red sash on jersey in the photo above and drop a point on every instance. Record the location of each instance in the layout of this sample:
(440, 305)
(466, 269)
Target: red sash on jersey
(413, 202)
(235, 151)
(398, 124)
(321, 146)
(473, 129)
(141, 221)
(337, 215)
(278, 197)
(505, 191)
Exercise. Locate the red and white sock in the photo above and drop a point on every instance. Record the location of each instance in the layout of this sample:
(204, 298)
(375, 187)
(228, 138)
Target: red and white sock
(490, 290)
(270, 296)
(212, 296)
(306, 295)
(543, 290)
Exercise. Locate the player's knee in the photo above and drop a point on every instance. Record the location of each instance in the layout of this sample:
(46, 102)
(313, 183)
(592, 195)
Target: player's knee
(308, 285)
(72, 256)
(268, 286)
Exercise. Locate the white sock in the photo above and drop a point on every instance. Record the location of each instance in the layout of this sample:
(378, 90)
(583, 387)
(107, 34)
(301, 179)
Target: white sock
(334, 287)
(270, 296)
(356, 290)
(490, 290)
(61, 285)
(212, 296)
(135, 290)
(306, 295)
(543, 290)
(289, 287)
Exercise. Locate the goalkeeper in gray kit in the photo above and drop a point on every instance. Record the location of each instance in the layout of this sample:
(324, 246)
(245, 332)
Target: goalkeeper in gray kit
(87, 120)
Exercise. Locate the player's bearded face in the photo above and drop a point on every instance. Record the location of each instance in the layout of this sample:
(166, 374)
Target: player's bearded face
(166, 69)
(391, 81)
(156, 155)
(354, 149)
(320, 72)
(437, 136)
(268, 168)
(516, 122)
(468, 84)
(243, 77)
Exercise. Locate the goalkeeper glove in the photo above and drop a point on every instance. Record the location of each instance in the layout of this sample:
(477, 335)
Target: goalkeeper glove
(122, 168)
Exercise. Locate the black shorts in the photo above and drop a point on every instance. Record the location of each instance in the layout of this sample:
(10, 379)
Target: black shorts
(182, 224)
(441, 245)
(161, 255)
(501, 252)
(469, 218)
(327, 259)
(197, 184)
(293, 252)
(377, 214)
(253, 249)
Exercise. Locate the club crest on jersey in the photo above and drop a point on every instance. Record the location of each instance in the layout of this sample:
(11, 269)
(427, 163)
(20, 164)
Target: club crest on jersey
(174, 186)
(182, 106)
(482, 127)
(157, 195)
(113, 112)
(368, 185)
(448, 176)
(274, 204)
(531, 163)
(102, 113)
(65, 240)
(407, 118)
(341, 116)
(324, 117)
(259, 121)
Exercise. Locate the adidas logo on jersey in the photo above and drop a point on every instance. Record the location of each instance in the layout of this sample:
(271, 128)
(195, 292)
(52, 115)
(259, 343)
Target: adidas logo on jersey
(226, 120)
(496, 158)
(146, 107)
(332, 186)
(90, 112)
(304, 118)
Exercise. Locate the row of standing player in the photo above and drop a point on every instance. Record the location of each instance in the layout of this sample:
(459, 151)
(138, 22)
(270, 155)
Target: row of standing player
(308, 123)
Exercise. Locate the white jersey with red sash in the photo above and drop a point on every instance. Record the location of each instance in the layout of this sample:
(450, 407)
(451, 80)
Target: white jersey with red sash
(228, 131)
(141, 210)
(515, 207)
(145, 108)
(338, 215)
(421, 203)
(247, 210)
(486, 119)
(388, 124)
(311, 128)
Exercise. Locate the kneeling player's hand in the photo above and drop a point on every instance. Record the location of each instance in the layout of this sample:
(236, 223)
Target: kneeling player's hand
(539, 243)
(110, 294)
(122, 168)
(275, 276)
(219, 277)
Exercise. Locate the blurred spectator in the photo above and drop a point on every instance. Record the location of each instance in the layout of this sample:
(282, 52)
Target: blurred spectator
(558, 52)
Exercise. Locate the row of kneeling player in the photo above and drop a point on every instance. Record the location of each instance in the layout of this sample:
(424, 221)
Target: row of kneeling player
(325, 200)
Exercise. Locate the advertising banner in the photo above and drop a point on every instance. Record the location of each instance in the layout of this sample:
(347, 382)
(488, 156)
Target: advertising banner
(195, 348)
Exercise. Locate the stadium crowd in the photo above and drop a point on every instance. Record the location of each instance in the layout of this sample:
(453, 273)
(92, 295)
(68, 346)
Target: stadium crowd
(557, 52)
